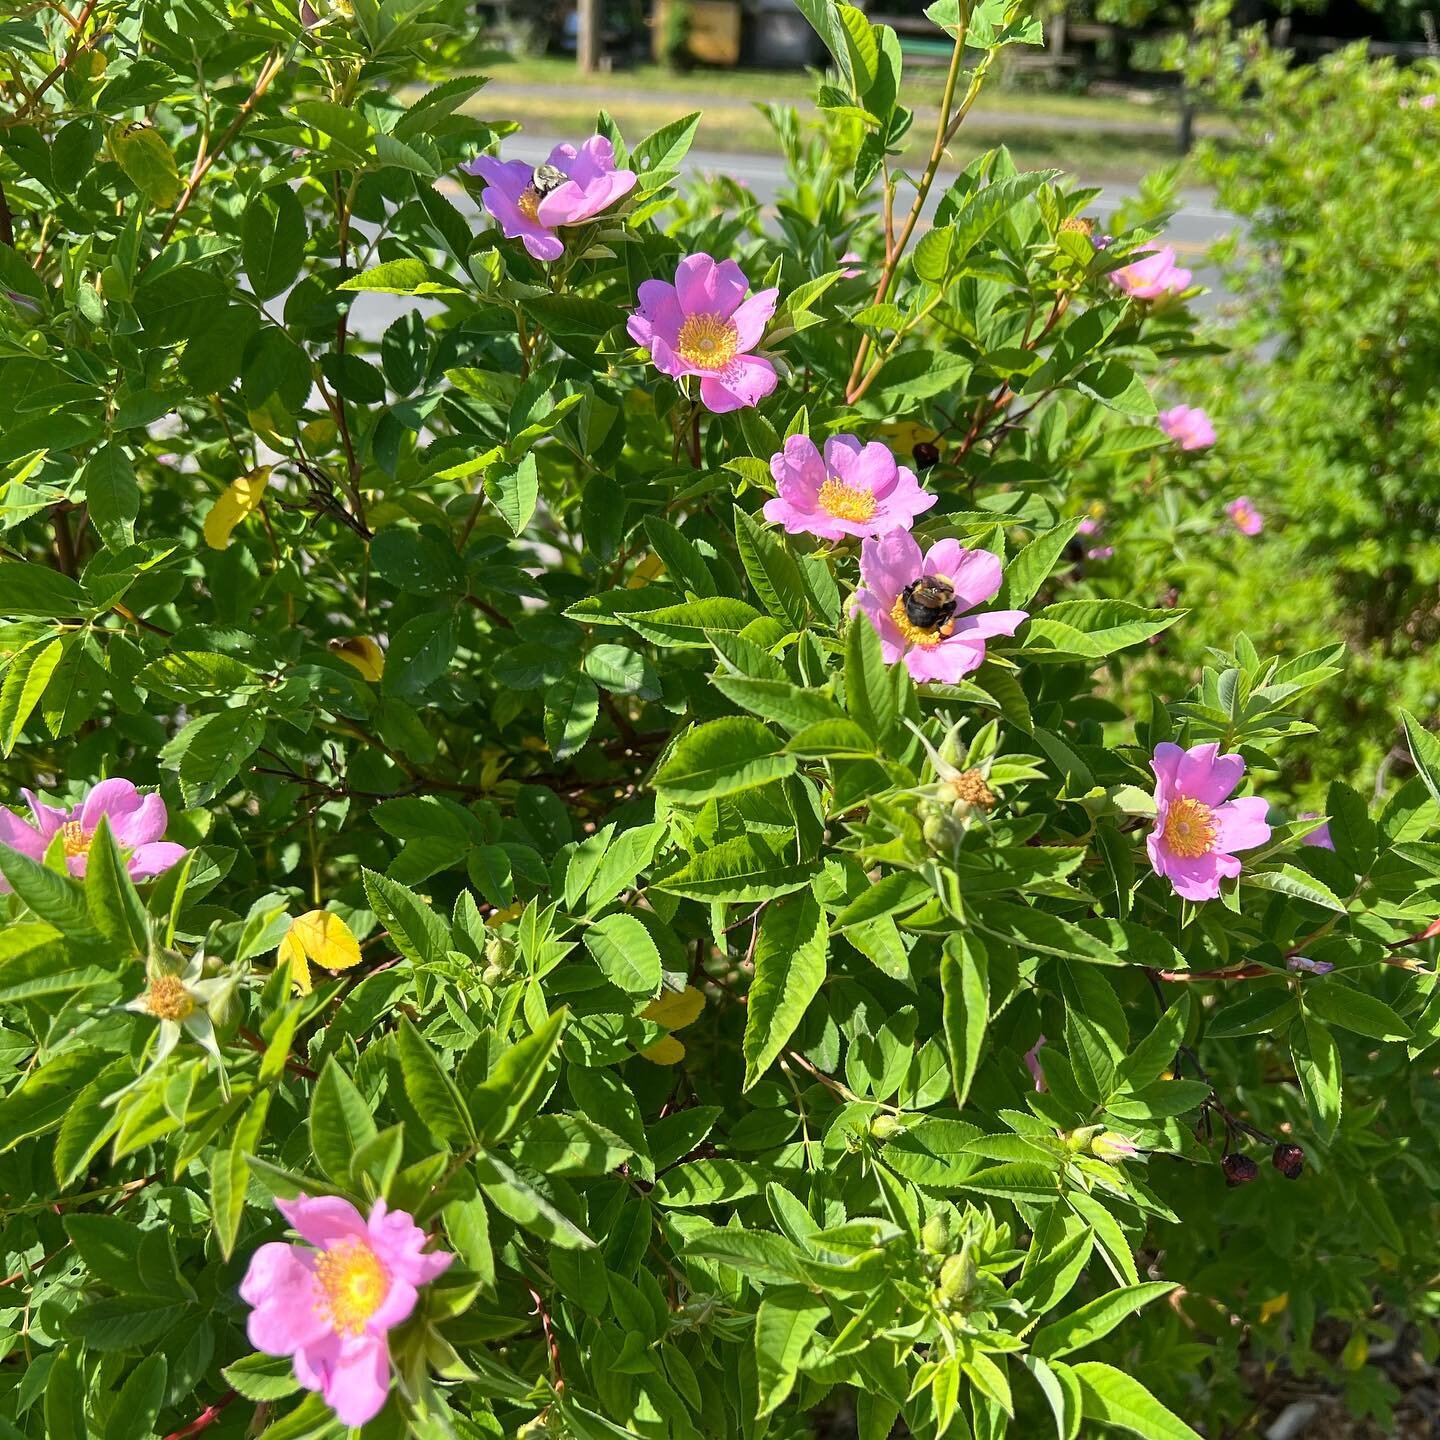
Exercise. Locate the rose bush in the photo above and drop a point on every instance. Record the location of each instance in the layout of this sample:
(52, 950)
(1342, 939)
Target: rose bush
(579, 894)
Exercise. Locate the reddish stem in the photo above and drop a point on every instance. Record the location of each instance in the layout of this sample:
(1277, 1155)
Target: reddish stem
(205, 1419)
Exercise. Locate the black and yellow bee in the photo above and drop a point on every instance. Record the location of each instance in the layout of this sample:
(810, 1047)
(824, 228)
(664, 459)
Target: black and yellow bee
(547, 178)
(929, 602)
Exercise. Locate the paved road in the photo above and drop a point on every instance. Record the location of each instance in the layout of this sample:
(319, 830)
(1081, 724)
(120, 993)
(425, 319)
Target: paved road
(1163, 124)
(1197, 223)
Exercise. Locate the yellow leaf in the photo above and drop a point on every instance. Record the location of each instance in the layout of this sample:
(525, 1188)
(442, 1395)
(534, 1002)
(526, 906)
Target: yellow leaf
(238, 500)
(319, 938)
(675, 1009)
(1276, 1305)
(902, 436)
(363, 653)
(665, 1051)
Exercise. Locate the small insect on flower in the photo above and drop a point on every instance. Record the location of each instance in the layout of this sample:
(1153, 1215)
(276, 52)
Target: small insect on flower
(547, 178)
(929, 602)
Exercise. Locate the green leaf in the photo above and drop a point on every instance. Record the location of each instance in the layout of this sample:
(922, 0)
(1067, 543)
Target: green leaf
(622, 948)
(65, 1399)
(272, 240)
(340, 1121)
(138, 1404)
(572, 705)
(27, 589)
(1093, 629)
(53, 898)
(773, 571)
(964, 981)
(1317, 1064)
(686, 626)
(721, 758)
(418, 932)
(110, 895)
(262, 1377)
(499, 1102)
(785, 1323)
(568, 1145)
(26, 678)
(402, 277)
(1113, 1397)
(431, 1091)
(112, 494)
(870, 684)
(1031, 567)
(1292, 881)
(1424, 751)
(1353, 1009)
(745, 867)
(230, 1173)
(514, 490)
(1096, 1319)
(789, 970)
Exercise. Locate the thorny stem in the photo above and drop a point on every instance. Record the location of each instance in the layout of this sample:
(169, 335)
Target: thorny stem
(205, 1419)
(551, 1344)
(922, 192)
(71, 51)
(211, 153)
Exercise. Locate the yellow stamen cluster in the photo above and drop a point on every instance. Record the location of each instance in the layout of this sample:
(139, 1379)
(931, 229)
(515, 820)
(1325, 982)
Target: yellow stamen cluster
(846, 502)
(353, 1284)
(75, 838)
(1078, 225)
(1190, 828)
(970, 788)
(528, 204)
(912, 633)
(169, 999)
(708, 342)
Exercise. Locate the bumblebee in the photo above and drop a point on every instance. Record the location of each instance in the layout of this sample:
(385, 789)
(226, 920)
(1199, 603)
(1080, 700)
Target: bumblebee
(546, 178)
(929, 602)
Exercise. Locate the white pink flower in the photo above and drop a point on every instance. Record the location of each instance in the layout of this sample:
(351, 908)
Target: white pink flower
(1198, 827)
(918, 603)
(850, 489)
(330, 1303)
(1188, 426)
(1156, 277)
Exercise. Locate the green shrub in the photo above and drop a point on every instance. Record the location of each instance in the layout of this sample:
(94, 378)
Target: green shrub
(535, 837)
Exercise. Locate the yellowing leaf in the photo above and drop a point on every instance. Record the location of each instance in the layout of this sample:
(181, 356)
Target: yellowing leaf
(1276, 1305)
(665, 1051)
(363, 653)
(676, 1008)
(145, 156)
(320, 938)
(239, 499)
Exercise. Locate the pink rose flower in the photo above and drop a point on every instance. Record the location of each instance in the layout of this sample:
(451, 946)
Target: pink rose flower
(571, 187)
(1248, 520)
(1197, 826)
(1429, 102)
(1100, 552)
(851, 260)
(703, 325)
(1155, 277)
(1090, 527)
(852, 489)
(1320, 836)
(917, 604)
(1188, 426)
(331, 1307)
(136, 824)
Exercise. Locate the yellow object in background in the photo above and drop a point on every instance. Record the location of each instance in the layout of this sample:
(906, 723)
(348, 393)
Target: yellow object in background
(673, 1010)
(363, 653)
(319, 938)
(237, 500)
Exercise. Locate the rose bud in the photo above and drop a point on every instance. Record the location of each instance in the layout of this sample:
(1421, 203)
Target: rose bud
(1239, 1169)
(1289, 1160)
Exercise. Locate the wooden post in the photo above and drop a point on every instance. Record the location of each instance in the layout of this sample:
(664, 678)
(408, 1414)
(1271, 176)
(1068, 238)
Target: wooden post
(587, 40)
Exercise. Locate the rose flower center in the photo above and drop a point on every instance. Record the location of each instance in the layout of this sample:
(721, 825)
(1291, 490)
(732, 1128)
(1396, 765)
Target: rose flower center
(353, 1283)
(75, 838)
(1189, 828)
(528, 204)
(169, 999)
(846, 502)
(708, 342)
